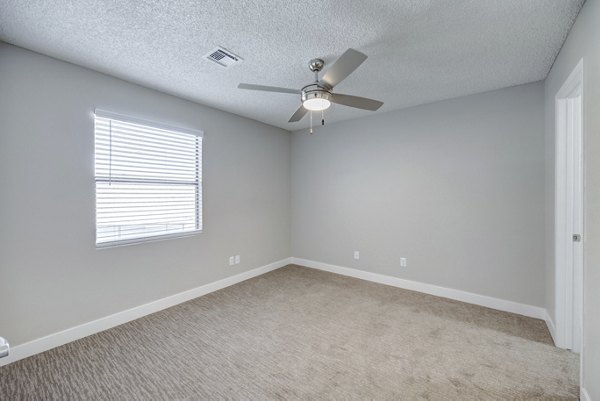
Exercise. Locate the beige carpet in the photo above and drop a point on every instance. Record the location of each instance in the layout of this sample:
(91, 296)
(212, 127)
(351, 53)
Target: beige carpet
(298, 333)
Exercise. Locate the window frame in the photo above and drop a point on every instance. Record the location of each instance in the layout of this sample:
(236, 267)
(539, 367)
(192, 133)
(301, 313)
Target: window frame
(199, 204)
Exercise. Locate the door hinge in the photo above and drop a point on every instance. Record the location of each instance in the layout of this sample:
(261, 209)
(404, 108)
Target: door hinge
(576, 237)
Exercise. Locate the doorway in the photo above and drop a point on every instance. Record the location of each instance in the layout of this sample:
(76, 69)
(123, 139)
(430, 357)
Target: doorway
(569, 240)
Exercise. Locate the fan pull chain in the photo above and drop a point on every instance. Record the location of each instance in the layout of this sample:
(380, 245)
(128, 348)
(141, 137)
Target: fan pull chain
(322, 117)
(311, 129)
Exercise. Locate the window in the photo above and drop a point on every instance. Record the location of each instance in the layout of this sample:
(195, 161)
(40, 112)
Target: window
(148, 180)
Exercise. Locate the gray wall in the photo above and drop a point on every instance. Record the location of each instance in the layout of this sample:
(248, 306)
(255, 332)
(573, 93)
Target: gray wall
(582, 42)
(457, 187)
(51, 275)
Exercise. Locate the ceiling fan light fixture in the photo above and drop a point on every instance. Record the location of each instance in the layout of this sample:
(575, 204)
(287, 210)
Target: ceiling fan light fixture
(316, 100)
(318, 95)
(316, 104)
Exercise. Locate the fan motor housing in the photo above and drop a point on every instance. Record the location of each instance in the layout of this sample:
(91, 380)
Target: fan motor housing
(315, 91)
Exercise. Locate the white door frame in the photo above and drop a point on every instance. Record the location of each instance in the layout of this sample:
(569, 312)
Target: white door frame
(569, 211)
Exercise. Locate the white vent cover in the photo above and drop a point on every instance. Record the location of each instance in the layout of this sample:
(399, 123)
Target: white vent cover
(223, 57)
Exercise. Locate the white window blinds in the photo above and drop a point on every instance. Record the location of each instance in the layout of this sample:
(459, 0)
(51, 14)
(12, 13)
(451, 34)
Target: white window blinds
(148, 180)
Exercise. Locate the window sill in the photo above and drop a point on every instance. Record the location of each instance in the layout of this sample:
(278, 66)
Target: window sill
(154, 238)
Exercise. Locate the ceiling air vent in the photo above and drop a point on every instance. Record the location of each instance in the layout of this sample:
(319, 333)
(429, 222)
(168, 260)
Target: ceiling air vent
(223, 57)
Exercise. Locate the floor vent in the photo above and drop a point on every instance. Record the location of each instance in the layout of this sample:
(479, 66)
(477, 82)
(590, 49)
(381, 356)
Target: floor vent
(223, 57)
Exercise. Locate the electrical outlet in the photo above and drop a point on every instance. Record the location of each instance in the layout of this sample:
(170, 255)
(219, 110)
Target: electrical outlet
(403, 262)
(4, 348)
(231, 260)
(237, 259)
(356, 255)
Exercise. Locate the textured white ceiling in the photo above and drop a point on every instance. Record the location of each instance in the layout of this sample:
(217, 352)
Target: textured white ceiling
(419, 51)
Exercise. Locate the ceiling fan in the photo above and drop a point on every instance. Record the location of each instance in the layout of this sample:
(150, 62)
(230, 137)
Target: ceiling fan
(318, 95)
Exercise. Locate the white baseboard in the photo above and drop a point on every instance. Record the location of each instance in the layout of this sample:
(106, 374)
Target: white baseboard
(551, 326)
(584, 395)
(60, 338)
(57, 339)
(458, 295)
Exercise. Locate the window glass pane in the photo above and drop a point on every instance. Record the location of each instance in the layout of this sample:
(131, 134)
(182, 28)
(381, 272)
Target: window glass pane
(148, 181)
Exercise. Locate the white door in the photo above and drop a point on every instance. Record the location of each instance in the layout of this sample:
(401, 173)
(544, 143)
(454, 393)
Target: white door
(569, 212)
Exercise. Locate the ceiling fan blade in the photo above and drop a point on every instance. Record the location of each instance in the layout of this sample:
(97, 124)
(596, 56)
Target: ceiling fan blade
(268, 88)
(301, 112)
(343, 66)
(356, 101)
